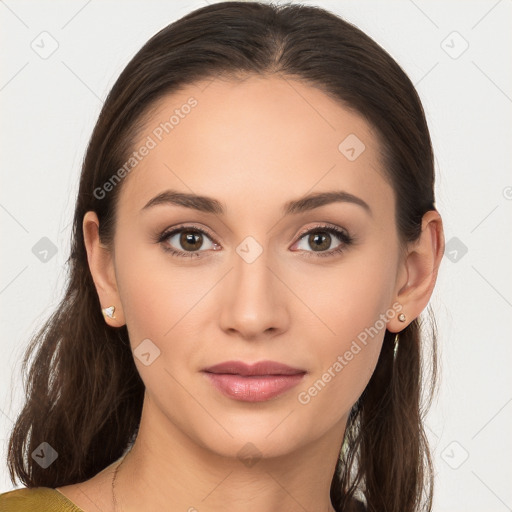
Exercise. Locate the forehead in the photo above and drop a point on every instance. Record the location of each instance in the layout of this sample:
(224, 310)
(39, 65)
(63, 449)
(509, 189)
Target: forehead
(254, 142)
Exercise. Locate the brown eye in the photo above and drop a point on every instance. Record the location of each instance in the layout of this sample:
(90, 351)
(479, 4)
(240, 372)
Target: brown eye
(191, 240)
(186, 241)
(320, 240)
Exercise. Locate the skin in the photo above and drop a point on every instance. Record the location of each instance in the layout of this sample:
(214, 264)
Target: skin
(253, 145)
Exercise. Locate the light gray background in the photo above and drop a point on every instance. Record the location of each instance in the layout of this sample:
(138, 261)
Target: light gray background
(49, 106)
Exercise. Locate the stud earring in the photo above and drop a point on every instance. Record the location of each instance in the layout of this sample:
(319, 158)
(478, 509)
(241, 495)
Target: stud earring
(109, 312)
(401, 317)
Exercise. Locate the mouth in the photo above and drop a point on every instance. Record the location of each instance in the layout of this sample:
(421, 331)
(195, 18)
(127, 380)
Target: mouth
(258, 382)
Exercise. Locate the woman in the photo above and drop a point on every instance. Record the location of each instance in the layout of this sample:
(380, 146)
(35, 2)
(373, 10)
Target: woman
(255, 238)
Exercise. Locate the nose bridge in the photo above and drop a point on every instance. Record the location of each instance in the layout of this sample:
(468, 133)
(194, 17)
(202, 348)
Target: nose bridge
(251, 274)
(253, 295)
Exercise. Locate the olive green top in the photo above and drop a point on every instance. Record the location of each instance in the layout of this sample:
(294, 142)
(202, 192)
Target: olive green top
(46, 499)
(42, 499)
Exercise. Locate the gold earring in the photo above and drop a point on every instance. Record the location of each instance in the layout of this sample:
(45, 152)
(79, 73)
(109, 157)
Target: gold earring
(395, 346)
(109, 312)
(401, 317)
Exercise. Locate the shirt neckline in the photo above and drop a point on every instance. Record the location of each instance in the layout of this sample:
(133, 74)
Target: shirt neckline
(67, 500)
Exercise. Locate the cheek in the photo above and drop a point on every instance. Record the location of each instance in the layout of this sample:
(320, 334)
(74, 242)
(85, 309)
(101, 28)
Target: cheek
(153, 296)
(146, 305)
(346, 298)
(345, 361)
(163, 302)
(153, 290)
(354, 305)
(155, 302)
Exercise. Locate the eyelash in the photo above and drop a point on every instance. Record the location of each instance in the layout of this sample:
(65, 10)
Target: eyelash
(344, 237)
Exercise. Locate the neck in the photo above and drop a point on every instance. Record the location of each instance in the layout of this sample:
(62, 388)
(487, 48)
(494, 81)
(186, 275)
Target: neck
(186, 476)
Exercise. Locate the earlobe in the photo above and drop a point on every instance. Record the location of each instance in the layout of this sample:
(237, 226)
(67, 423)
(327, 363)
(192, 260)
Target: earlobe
(421, 269)
(101, 266)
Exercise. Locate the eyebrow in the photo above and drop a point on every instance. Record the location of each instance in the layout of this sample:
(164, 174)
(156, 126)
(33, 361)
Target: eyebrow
(210, 205)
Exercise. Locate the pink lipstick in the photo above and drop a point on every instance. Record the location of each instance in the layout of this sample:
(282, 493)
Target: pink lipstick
(253, 383)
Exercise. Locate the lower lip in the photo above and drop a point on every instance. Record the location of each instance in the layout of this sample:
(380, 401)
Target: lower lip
(254, 388)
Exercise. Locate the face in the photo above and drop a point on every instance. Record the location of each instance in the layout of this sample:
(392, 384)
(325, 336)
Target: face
(310, 285)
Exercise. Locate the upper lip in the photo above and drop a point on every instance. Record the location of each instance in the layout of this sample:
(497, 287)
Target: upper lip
(259, 368)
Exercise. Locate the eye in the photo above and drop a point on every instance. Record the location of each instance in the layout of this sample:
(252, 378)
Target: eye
(189, 238)
(192, 238)
(321, 238)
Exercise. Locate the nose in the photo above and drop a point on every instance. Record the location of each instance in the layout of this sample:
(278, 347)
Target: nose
(254, 300)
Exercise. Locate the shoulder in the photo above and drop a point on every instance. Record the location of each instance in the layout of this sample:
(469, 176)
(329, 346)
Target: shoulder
(42, 499)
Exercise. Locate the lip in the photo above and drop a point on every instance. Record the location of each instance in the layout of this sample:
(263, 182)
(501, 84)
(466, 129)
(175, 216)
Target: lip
(260, 368)
(257, 382)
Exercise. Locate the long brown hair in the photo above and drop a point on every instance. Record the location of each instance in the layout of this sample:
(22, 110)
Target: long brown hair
(83, 392)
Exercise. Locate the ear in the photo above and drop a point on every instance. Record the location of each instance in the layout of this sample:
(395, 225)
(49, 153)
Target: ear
(101, 265)
(419, 271)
